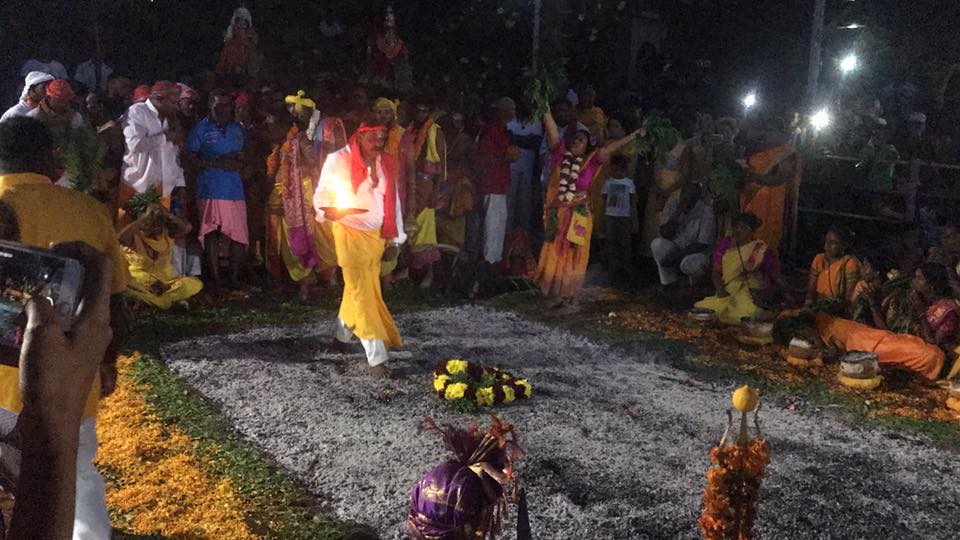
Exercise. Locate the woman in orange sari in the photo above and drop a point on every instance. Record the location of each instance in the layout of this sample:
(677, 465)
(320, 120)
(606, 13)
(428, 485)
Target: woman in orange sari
(568, 223)
(773, 174)
(922, 354)
(833, 273)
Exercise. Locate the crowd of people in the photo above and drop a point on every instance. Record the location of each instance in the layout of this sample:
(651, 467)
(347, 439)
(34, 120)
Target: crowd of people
(239, 185)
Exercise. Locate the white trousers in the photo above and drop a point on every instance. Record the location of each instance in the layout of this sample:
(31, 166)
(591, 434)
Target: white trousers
(375, 349)
(494, 227)
(186, 262)
(91, 520)
(693, 266)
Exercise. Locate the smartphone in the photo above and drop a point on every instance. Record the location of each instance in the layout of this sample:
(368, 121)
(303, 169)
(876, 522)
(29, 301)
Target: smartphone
(26, 272)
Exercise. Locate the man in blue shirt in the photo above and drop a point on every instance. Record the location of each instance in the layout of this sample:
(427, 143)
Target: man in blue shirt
(217, 142)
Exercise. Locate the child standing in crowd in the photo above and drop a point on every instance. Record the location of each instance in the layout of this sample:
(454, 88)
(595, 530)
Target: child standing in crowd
(620, 195)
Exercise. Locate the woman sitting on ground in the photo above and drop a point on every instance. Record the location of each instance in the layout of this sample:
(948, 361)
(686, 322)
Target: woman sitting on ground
(148, 246)
(881, 298)
(743, 266)
(833, 273)
(935, 329)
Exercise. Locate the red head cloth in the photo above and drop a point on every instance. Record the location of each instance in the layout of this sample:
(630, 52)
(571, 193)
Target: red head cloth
(162, 89)
(61, 89)
(141, 93)
(358, 173)
(188, 93)
(243, 99)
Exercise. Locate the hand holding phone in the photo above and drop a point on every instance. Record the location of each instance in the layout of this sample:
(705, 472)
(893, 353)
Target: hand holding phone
(28, 273)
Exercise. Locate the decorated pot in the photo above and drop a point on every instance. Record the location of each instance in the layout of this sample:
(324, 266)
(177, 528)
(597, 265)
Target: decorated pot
(802, 349)
(757, 327)
(859, 365)
(703, 315)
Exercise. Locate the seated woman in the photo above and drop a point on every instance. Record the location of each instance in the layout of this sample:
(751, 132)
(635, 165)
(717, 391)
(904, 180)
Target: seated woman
(938, 325)
(148, 245)
(742, 265)
(879, 302)
(833, 273)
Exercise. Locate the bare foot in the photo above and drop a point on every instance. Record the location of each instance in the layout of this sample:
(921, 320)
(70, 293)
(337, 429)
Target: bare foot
(380, 371)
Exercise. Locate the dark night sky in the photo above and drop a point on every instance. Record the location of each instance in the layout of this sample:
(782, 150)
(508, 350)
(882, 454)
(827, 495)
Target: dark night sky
(751, 42)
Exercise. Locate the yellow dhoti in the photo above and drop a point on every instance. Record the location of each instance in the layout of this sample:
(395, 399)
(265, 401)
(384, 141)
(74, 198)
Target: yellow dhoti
(362, 309)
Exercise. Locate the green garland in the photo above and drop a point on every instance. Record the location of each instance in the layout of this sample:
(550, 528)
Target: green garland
(459, 381)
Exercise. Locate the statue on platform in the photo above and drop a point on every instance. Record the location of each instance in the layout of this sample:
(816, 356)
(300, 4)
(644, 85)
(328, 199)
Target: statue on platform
(388, 64)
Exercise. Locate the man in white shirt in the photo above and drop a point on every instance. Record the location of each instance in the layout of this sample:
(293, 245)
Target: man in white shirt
(34, 90)
(86, 74)
(52, 67)
(687, 233)
(151, 158)
(527, 134)
(358, 192)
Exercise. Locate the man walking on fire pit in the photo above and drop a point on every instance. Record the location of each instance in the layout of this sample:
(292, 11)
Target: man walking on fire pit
(358, 192)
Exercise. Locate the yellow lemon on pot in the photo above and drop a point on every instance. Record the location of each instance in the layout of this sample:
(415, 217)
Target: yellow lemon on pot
(745, 399)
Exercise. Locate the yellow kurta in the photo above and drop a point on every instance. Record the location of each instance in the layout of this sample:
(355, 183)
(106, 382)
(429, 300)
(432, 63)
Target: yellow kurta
(150, 273)
(362, 309)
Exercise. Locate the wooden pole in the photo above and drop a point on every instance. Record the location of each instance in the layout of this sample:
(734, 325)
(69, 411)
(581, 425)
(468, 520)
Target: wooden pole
(816, 46)
(97, 47)
(537, 6)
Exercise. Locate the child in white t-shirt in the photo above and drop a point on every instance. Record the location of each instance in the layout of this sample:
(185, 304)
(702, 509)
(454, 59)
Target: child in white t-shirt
(620, 195)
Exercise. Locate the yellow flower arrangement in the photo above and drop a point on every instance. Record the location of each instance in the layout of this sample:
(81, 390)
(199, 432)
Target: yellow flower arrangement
(485, 396)
(160, 487)
(484, 386)
(456, 366)
(455, 391)
(439, 382)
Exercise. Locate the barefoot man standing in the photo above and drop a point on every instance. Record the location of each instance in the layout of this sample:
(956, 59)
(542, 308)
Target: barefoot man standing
(358, 192)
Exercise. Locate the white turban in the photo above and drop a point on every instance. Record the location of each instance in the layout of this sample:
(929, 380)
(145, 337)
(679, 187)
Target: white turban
(34, 78)
(239, 13)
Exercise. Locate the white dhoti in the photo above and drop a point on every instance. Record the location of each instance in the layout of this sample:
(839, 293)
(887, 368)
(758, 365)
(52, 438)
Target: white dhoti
(693, 265)
(494, 227)
(375, 349)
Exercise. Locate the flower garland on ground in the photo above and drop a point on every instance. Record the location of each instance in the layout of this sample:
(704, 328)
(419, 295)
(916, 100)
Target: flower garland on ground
(484, 386)
(154, 481)
(733, 483)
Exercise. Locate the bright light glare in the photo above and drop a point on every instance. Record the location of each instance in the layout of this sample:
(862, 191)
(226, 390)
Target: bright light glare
(750, 100)
(849, 63)
(852, 26)
(820, 119)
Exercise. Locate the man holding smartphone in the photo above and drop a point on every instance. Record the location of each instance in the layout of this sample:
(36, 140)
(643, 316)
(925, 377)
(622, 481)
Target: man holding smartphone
(47, 214)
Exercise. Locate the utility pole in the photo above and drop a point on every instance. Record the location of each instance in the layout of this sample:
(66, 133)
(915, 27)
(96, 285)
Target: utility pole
(816, 47)
(537, 6)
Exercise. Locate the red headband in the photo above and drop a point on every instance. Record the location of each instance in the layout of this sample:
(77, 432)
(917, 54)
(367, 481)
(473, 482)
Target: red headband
(61, 89)
(163, 89)
(365, 128)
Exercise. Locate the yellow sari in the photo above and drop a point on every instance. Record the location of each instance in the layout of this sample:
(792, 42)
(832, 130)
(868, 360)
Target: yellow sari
(741, 271)
(152, 277)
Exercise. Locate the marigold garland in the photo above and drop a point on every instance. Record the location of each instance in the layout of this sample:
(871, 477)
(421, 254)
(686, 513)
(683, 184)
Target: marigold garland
(460, 379)
(733, 483)
(157, 484)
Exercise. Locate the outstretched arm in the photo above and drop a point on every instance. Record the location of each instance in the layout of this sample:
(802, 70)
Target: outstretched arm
(616, 145)
(553, 132)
